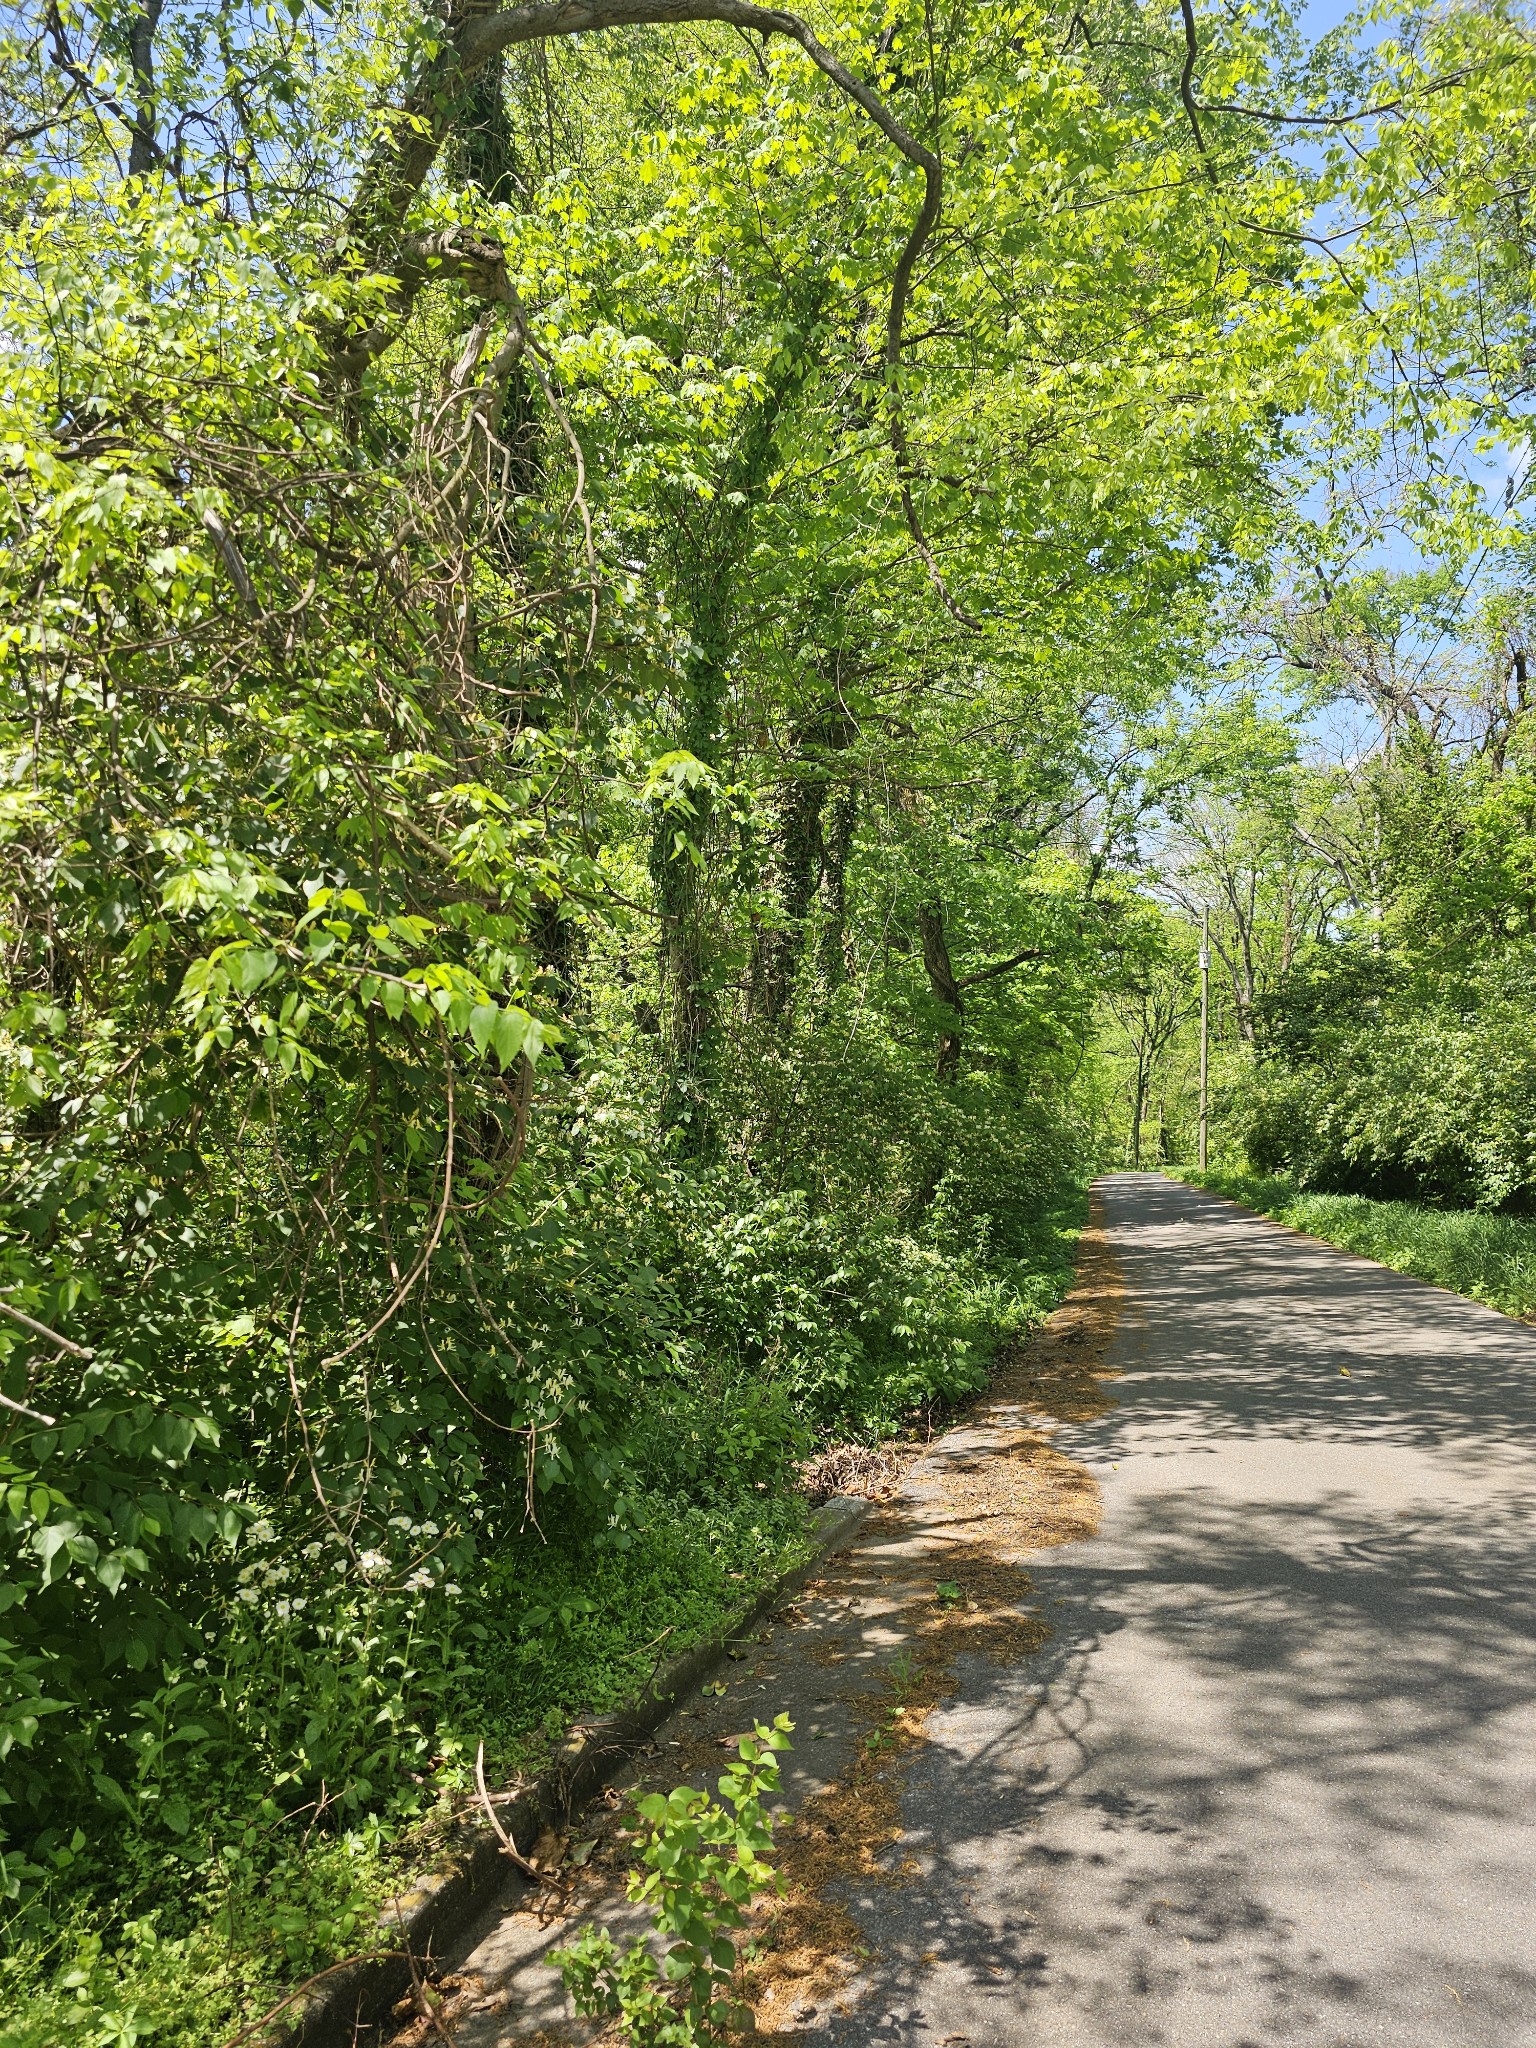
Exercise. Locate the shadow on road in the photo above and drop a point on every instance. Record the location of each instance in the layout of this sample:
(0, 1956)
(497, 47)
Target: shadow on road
(1273, 1779)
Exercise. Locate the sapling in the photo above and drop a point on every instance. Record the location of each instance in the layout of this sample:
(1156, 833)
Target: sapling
(700, 1867)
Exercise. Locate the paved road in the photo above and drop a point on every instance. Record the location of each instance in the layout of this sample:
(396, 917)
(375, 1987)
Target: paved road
(1274, 1779)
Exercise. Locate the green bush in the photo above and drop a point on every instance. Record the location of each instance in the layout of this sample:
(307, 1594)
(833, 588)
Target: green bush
(1389, 1085)
(214, 1812)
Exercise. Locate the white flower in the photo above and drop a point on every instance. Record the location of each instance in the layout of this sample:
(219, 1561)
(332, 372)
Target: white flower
(452, 1591)
(399, 1521)
(429, 1528)
(199, 1663)
(262, 1531)
(249, 1595)
(283, 1610)
(419, 1582)
(372, 1563)
(313, 1550)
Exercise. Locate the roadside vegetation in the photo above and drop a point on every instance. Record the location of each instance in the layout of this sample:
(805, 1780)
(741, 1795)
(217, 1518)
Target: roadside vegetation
(624, 660)
(1490, 1258)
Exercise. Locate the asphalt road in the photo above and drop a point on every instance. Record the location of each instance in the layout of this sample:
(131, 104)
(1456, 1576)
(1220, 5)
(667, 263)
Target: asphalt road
(1273, 1781)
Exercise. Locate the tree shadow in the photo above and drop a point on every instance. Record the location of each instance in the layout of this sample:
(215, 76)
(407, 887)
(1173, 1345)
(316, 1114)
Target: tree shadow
(1272, 1780)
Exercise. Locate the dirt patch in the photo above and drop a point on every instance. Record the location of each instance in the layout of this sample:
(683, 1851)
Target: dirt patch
(1000, 1490)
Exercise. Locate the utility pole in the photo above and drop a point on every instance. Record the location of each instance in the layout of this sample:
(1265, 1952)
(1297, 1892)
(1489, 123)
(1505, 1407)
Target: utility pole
(1205, 1034)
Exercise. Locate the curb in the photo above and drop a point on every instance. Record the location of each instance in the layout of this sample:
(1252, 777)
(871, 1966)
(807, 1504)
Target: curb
(344, 2010)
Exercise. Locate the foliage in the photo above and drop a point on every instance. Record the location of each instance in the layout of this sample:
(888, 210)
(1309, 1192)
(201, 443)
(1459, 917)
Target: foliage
(1422, 1086)
(701, 1869)
(586, 689)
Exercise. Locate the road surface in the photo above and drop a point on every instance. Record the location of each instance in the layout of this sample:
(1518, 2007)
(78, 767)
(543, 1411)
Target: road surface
(1273, 1781)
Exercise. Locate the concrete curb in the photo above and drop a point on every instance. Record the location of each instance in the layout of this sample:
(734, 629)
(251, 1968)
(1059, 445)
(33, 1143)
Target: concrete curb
(345, 2009)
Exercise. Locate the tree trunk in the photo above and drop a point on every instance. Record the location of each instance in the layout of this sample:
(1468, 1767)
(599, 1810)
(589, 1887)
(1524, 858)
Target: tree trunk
(690, 1027)
(1138, 1110)
(485, 155)
(557, 941)
(143, 147)
(483, 137)
(681, 878)
(832, 963)
(794, 868)
(941, 979)
(798, 858)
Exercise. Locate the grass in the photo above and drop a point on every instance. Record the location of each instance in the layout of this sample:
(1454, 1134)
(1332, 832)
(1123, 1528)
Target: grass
(1489, 1258)
(573, 1640)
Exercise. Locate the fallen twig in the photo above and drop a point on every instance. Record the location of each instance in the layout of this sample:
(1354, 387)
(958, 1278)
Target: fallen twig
(251, 2027)
(528, 1869)
(421, 1996)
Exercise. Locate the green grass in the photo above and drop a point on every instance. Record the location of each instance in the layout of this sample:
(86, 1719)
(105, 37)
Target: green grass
(573, 1640)
(1486, 1257)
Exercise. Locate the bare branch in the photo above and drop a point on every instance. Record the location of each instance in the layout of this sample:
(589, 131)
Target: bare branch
(230, 555)
(508, 1845)
(42, 1330)
(32, 1414)
(1003, 966)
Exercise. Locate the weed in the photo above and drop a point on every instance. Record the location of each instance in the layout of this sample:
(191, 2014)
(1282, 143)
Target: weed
(702, 1866)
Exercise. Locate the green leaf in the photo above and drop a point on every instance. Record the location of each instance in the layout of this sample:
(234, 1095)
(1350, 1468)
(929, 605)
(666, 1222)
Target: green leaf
(111, 1570)
(509, 1033)
(252, 967)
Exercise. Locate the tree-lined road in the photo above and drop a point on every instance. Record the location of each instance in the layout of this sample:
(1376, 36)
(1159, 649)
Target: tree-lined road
(1273, 1781)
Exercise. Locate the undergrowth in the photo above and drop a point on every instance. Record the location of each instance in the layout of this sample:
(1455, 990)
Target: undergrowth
(1487, 1257)
(132, 1943)
(297, 1770)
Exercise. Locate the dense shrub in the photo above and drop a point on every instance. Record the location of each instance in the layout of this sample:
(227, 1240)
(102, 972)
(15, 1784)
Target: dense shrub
(1381, 1084)
(507, 1527)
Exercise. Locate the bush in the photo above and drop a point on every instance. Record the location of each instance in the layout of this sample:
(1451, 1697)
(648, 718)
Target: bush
(1421, 1089)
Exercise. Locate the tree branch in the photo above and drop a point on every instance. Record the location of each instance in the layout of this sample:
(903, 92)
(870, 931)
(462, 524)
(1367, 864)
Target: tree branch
(144, 150)
(1187, 87)
(42, 1330)
(1003, 966)
(375, 224)
(63, 58)
(941, 975)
